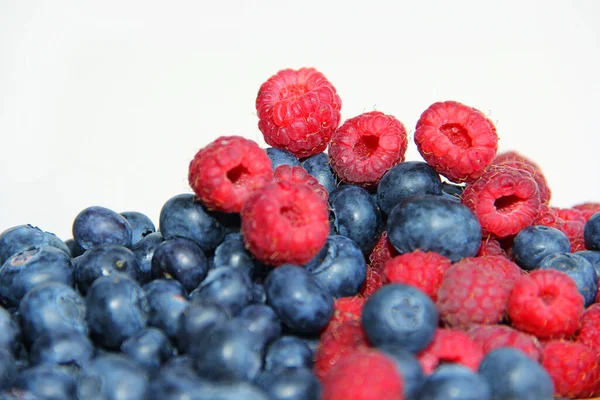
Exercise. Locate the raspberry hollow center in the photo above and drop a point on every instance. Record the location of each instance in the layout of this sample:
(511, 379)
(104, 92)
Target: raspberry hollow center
(457, 135)
(237, 174)
(507, 204)
(547, 296)
(293, 92)
(292, 214)
(366, 146)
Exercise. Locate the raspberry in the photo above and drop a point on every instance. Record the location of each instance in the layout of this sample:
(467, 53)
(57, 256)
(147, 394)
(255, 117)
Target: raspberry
(423, 270)
(450, 346)
(572, 223)
(545, 303)
(573, 368)
(345, 309)
(366, 146)
(226, 172)
(587, 209)
(364, 375)
(589, 334)
(510, 271)
(298, 111)
(504, 199)
(458, 141)
(285, 222)
(382, 252)
(491, 247)
(298, 174)
(491, 337)
(373, 282)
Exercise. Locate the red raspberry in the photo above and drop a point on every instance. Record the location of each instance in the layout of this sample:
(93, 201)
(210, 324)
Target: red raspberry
(509, 271)
(226, 172)
(504, 199)
(546, 303)
(298, 174)
(491, 247)
(572, 223)
(298, 111)
(345, 309)
(383, 251)
(587, 209)
(366, 146)
(573, 367)
(373, 282)
(589, 334)
(458, 141)
(285, 222)
(450, 345)
(364, 375)
(492, 337)
(423, 270)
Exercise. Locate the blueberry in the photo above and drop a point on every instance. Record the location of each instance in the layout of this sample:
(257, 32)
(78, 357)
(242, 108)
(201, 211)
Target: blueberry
(148, 348)
(232, 253)
(288, 352)
(593, 257)
(318, 166)
(51, 308)
(196, 320)
(144, 251)
(591, 232)
(96, 224)
(302, 303)
(433, 223)
(10, 338)
(455, 382)
(177, 380)
(24, 237)
(262, 320)
(400, 314)
(112, 376)
(74, 249)
(167, 300)
(71, 351)
(226, 286)
(141, 225)
(258, 293)
(185, 216)
(103, 260)
(513, 375)
(117, 308)
(340, 266)
(404, 180)
(535, 242)
(290, 384)
(8, 369)
(412, 373)
(232, 391)
(46, 382)
(182, 260)
(281, 157)
(578, 268)
(28, 269)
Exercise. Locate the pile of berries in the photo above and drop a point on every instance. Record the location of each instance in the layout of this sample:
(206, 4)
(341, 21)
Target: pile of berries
(323, 267)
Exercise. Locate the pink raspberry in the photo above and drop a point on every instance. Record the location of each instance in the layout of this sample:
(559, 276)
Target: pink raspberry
(572, 223)
(298, 174)
(491, 337)
(519, 161)
(589, 334)
(382, 252)
(345, 309)
(588, 209)
(450, 346)
(491, 247)
(373, 282)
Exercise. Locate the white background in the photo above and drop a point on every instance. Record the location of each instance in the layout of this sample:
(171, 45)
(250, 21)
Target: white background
(106, 102)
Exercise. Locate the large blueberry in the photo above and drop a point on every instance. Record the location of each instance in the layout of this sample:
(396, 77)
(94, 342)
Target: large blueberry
(228, 287)
(409, 367)
(404, 180)
(8, 369)
(185, 216)
(535, 242)
(232, 253)
(46, 382)
(433, 223)
(402, 315)
(591, 232)
(196, 320)
(112, 376)
(182, 260)
(74, 249)
(167, 300)
(340, 266)
(232, 391)
(290, 384)
(455, 382)
(258, 293)
(288, 352)
(144, 251)
(70, 351)
(302, 303)
(262, 320)
(318, 166)
(10, 339)
(593, 257)
(96, 224)
(578, 268)
(141, 225)
(24, 237)
(176, 380)
(281, 157)
(148, 348)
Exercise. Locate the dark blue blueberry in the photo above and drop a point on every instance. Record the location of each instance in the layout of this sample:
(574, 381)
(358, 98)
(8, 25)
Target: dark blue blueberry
(402, 315)
(450, 197)
(182, 260)
(96, 224)
(176, 380)
(144, 251)
(51, 308)
(513, 375)
(453, 189)
(112, 376)
(535, 242)
(433, 223)
(10, 338)
(103, 260)
(141, 225)
(71, 351)
(47, 382)
(290, 384)
(232, 253)
(231, 221)
(117, 308)
(28, 269)
(593, 257)
(404, 180)
(409, 367)
(8, 369)
(74, 249)
(355, 215)
(262, 320)
(288, 352)
(185, 216)
(258, 293)
(578, 268)
(302, 303)
(591, 232)
(24, 237)
(281, 157)
(312, 341)
(196, 320)
(318, 166)
(167, 300)
(226, 286)
(340, 266)
(149, 348)
(232, 391)
(455, 382)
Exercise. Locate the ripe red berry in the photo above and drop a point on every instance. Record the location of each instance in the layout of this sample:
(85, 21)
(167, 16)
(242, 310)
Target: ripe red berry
(491, 247)
(373, 282)
(450, 346)
(589, 334)
(382, 252)
(491, 337)
(345, 309)
(298, 174)
(588, 209)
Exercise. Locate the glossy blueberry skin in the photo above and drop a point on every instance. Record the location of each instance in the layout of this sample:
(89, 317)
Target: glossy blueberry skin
(535, 242)
(10, 338)
(46, 382)
(340, 266)
(290, 384)
(591, 232)
(402, 315)
(433, 223)
(97, 224)
(593, 257)
(167, 300)
(176, 380)
(28, 269)
(259, 295)
(71, 351)
(184, 216)
(455, 382)
(117, 308)
(141, 225)
(103, 260)
(355, 215)
(144, 251)
(112, 376)
(404, 180)
(409, 367)
(578, 268)
(318, 166)
(226, 286)
(23, 237)
(8, 369)
(148, 348)
(302, 303)
(513, 375)
(51, 308)
(196, 320)
(232, 391)
(288, 352)
(74, 249)
(182, 260)
(281, 157)
(262, 320)
(232, 253)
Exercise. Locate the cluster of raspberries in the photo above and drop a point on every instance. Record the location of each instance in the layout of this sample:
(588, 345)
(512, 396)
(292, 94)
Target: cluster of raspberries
(484, 302)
